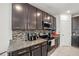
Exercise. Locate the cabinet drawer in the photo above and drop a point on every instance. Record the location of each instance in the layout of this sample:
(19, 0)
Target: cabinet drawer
(21, 51)
(36, 52)
(25, 54)
(36, 46)
(45, 43)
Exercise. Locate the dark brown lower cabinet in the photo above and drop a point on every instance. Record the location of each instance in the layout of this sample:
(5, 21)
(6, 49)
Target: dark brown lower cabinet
(20, 52)
(36, 50)
(75, 41)
(44, 49)
(25, 54)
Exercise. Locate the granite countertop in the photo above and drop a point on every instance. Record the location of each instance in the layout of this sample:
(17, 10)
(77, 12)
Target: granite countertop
(19, 44)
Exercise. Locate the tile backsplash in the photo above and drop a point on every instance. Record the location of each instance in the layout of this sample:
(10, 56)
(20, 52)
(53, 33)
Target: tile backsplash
(22, 35)
(18, 35)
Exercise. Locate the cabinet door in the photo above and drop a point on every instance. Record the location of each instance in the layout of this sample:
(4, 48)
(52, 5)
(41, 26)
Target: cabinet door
(20, 52)
(46, 17)
(32, 17)
(18, 16)
(25, 54)
(44, 50)
(36, 52)
(74, 39)
(78, 23)
(73, 24)
(39, 19)
(26, 16)
(52, 22)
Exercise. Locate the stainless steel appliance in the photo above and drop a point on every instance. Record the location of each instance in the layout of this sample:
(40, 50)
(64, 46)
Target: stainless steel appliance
(32, 36)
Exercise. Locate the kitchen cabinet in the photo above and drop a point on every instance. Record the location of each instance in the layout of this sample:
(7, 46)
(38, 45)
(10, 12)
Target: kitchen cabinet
(50, 19)
(20, 52)
(78, 24)
(46, 17)
(54, 23)
(31, 17)
(39, 49)
(44, 49)
(27, 17)
(39, 19)
(75, 31)
(25, 54)
(18, 11)
(75, 23)
(36, 50)
(75, 41)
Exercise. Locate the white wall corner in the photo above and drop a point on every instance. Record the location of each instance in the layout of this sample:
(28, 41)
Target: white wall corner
(5, 26)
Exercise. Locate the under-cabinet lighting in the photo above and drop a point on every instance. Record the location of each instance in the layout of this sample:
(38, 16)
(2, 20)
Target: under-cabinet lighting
(48, 17)
(38, 14)
(18, 7)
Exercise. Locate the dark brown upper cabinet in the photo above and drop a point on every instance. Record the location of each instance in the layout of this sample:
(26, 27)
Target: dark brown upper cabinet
(26, 16)
(31, 17)
(75, 24)
(39, 19)
(52, 22)
(46, 17)
(18, 11)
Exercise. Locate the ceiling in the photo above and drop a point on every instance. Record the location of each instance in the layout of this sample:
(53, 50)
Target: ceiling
(58, 8)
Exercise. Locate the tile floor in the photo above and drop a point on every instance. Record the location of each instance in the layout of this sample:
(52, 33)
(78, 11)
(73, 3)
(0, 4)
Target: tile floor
(66, 51)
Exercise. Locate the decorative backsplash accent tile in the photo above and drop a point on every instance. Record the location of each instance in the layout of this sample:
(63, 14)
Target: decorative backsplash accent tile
(18, 35)
(22, 35)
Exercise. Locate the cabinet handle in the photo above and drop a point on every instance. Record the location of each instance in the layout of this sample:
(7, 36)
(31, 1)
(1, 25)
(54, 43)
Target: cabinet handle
(21, 52)
(36, 46)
